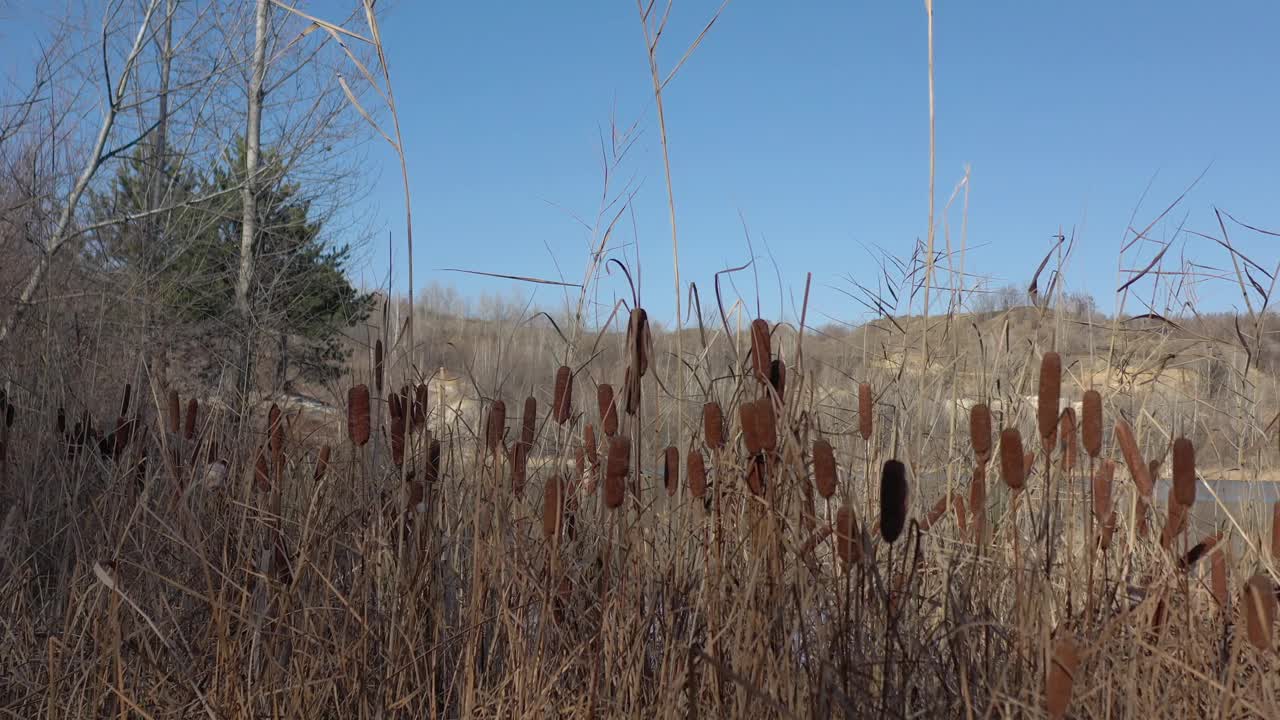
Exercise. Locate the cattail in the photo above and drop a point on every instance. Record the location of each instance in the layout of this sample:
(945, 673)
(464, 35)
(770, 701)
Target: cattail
(398, 422)
(1050, 392)
(275, 431)
(1103, 476)
(980, 432)
(847, 546)
(519, 468)
(1133, 458)
(528, 420)
(1091, 408)
(866, 411)
(175, 412)
(262, 473)
(563, 397)
(778, 376)
(358, 415)
(496, 427)
(671, 470)
(1275, 531)
(395, 406)
(419, 405)
(978, 499)
(893, 500)
(1012, 461)
(1175, 522)
(1184, 471)
(637, 335)
(696, 470)
(824, 468)
(1108, 530)
(1218, 577)
(1061, 676)
(761, 353)
(713, 425)
(608, 409)
(552, 508)
(1259, 604)
(322, 463)
(377, 366)
(189, 427)
(1067, 433)
(589, 445)
(631, 388)
(617, 470)
(759, 426)
(755, 475)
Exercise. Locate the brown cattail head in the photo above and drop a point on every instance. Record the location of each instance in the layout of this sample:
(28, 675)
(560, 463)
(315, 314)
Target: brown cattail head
(495, 428)
(519, 468)
(1061, 676)
(1050, 392)
(1184, 471)
(322, 463)
(980, 432)
(552, 508)
(1175, 522)
(528, 420)
(261, 472)
(761, 352)
(1091, 435)
(1133, 458)
(848, 545)
(893, 500)
(866, 411)
(637, 342)
(398, 422)
(631, 388)
(713, 425)
(778, 376)
(419, 406)
(1218, 576)
(1275, 531)
(1012, 461)
(358, 415)
(275, 431)
(1067, 437)
(824, 468)
(671, 470)
(696, 470)
(589, 445)
(377, 366)
(563, 398)
(608, 409)
(759, 426)
(189, 427)
(175, 412)
(1103, 476)
(1258, 602)
(617, 470)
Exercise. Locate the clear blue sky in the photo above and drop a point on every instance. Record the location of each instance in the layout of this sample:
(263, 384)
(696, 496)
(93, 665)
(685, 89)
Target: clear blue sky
(811, 120)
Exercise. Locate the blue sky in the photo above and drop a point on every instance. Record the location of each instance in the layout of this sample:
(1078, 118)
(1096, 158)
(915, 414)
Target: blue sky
(810, 119)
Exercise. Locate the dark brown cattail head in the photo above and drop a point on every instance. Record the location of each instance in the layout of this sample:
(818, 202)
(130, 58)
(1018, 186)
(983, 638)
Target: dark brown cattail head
(1068, 438)
(608, 409)
(377, 366)
(1103, 476)
(637, 341)
(552, 508)
(824, 468)
(866, 411)
(1091, 430)
(495, 428)
(1258, 602)
(617, 471)
(893, 500)
(175, 412)
(358, 415)
(1050, 393)
(696, 470)
(519, 468)
(528, 420)
(563, 396)
(761, 352)
(1275, 531)
(1138, 469)
(420, 405)
(848, 544)
(671, 470)
(322, 463)
(261, 472)
(1218, 576)
(980, 432)
(275, 431)
(589, 445)
(189, 427)
(1184, 471)
(1061, 677)
(713, 425)
(1012, 461)
(398, 423)
(778, 377)
(631, 388)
